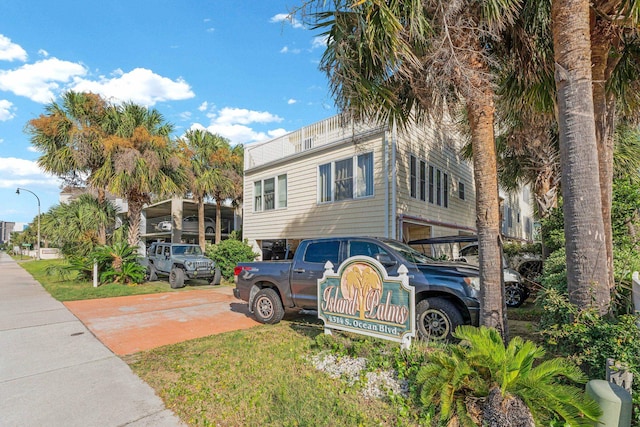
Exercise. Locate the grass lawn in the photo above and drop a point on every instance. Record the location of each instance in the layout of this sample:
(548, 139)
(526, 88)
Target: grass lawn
(261, 376)
(71, 289)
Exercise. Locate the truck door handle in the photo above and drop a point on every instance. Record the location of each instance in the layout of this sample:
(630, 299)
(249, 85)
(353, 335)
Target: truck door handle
(299, 270)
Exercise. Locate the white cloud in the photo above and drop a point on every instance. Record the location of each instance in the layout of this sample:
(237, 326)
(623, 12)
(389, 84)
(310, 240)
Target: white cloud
(277, 132)
(285, 17)
(43, 53)
(243, 116)
(287, 50)
(32, 149)
(319, 42)
(203, 106)
(6, 112)
(10, 51)
(16, 172)
(40, 81)
(292, 101)
(141, 86)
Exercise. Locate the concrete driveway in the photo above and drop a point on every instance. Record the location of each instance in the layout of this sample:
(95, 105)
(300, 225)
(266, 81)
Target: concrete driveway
(134, 323)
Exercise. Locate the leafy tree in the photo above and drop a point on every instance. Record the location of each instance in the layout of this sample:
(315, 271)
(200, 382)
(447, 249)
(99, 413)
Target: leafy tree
(71, 139)
(140, 160)
(75, 227)
(228, 253)
(481, 367)
(411, 61)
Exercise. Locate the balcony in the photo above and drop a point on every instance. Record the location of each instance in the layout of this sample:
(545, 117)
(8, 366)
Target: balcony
(328, 131)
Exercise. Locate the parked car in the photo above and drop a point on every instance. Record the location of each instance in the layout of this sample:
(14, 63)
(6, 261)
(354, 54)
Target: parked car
(446, 292)
(516, 291)
(189, 225)
(180, 261)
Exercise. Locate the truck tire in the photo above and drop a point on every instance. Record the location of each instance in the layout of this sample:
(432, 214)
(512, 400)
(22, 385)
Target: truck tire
(267, 306)
(437, 319)
(514, 295)
(152, 274)
(217, 277)
(176, 278)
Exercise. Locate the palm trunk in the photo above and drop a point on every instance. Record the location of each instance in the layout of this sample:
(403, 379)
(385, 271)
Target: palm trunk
(605, 112)
(218, 220)
(201, 236)
(135, 209)
(587, 278)
(102, 228)
(492, 306)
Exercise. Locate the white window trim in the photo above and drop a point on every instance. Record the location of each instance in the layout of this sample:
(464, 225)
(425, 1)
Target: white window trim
(354, 178)
(276, 195)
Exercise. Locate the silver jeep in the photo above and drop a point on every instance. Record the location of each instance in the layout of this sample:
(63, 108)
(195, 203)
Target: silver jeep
(180, 261)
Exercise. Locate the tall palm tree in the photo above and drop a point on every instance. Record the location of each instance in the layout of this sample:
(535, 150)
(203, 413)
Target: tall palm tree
(410, 61)
(140, 160)
(70, 137)
(228, 185)
(198, 146)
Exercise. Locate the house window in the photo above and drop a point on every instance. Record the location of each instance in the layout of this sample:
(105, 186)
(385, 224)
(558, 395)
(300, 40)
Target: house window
(445, 190)
(438, 187)
(364, 178)
(461, 190)
(412, 171)
(266, 193)
(269, 194)
(257, 196)
(282, 191)
(431, 183)
(344, 180)
(337, 181)
(423, 181)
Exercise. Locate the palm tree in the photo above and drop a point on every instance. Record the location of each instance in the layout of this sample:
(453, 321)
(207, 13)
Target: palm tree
(75, 227)
(198, 147)
(140, 160)
(70, 137)
(229, 183)
(411, 61)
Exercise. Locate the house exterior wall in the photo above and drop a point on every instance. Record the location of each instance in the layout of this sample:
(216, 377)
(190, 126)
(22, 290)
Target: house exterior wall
(393, 210)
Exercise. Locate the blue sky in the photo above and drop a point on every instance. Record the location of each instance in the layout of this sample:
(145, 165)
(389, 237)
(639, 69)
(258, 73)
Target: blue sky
(237, 68)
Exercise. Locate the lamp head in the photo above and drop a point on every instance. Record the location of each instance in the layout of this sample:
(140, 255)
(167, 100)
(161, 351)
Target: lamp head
(17, 191)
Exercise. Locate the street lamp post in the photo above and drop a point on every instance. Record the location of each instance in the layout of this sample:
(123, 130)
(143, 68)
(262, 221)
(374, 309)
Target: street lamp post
(37, 198)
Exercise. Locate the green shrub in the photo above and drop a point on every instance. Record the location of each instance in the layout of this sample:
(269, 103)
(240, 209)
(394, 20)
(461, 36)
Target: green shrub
(228, 253)
(454, 381)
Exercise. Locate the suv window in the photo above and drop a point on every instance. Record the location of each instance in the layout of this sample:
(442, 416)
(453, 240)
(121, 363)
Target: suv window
(322, 252)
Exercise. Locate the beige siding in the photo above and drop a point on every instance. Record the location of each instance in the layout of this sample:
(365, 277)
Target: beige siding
(304, 217)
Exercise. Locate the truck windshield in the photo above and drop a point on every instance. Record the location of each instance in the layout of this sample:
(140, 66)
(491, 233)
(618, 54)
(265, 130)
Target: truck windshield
(408, 253)
(186, 250)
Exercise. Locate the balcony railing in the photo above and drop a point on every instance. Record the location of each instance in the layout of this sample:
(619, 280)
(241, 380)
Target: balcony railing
(325, 132)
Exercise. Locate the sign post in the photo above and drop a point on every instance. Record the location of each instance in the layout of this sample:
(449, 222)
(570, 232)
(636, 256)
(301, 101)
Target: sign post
(361, 298)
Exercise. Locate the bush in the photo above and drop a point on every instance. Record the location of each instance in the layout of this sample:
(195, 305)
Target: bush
(228, 253)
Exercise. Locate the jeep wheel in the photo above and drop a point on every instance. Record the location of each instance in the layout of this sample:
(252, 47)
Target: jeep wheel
(437, 319)
(267, 306)
(217, 277)
(176, 278)
(152, 274)
(514, 296)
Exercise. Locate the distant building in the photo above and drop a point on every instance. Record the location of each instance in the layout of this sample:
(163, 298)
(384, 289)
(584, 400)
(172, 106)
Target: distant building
(6, 228)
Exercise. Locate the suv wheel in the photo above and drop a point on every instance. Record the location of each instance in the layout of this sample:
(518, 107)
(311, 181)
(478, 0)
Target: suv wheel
(176, 278)
(209, 230)
(437, 319)
(514, 295)
(217, 277)
(267, 306)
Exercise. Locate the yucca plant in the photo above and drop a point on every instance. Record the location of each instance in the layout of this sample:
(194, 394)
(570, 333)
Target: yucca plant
(480, 366)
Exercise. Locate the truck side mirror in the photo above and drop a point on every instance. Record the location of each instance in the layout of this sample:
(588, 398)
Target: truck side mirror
(385, 260)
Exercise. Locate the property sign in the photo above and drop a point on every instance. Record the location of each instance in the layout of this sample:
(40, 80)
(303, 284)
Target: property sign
(361, 298)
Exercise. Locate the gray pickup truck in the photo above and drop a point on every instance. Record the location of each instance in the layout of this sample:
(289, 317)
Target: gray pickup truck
(446, 293)
(180, 261)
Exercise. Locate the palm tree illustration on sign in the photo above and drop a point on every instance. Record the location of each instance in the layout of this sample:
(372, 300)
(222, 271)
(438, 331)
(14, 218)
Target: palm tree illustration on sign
(357, 281)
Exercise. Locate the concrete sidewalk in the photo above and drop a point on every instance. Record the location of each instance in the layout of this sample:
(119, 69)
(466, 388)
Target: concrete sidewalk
(54, 372)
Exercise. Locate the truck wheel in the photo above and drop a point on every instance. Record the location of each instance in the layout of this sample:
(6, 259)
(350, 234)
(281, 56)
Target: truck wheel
(514, 296)
(437, 319)
(152, 274)
(176, 278)
(217, 277)
(267, 306)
